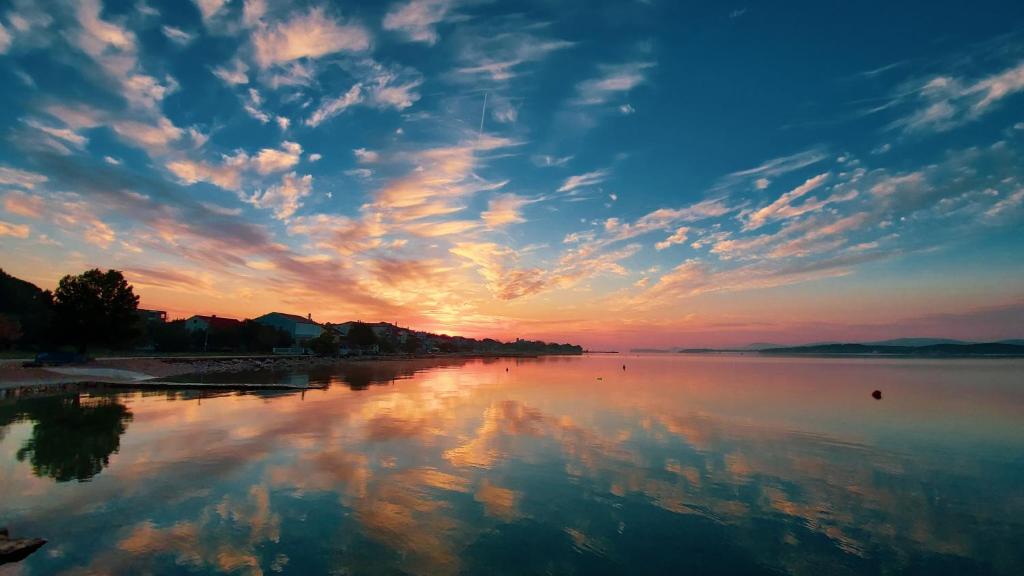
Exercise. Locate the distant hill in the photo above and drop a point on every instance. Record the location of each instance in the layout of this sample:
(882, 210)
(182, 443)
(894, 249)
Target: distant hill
(1017, 342)
(915, 342)
(933, 350)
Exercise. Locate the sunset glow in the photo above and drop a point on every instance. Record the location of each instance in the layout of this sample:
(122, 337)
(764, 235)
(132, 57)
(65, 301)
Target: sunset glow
(613, 174)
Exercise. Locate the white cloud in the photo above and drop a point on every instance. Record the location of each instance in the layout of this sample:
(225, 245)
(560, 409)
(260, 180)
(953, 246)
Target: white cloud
(626, 109)
(284, 199)
(233, 73)
(331, 108)
(545, 160)
(945, 102)
(418, 19)
(283, 122)
(20, 178)
(678, 237)
(309, 35)
(500, 55)
(783, 206)
(583, 180)
(14, 230)
(5, 39)
(270, 160)
(154, 138)
(503, 210)
(209, 8)
(177, 35)
(614, 80)
(364, 156)
(314, 157)
(253, 106)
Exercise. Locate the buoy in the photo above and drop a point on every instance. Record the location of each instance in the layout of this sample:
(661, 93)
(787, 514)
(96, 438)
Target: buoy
(877, 394)
(623, 366)
(506, 369)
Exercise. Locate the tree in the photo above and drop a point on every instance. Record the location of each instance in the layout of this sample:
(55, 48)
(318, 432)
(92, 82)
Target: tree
(30, 307)
(411, 344)
(361, 335)
(324, 344)
(10, 331)
(96, 307)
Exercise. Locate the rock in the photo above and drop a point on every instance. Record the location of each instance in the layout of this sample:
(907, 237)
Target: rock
(877, 394)
(17, 549)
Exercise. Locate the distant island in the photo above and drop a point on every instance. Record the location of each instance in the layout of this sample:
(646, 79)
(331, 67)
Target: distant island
(917, 347)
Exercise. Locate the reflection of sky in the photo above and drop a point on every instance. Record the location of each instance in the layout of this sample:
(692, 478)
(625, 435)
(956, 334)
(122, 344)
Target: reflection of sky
(743, 464)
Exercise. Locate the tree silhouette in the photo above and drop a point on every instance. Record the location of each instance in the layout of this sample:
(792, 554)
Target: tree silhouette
(72, 440)
(96, 307)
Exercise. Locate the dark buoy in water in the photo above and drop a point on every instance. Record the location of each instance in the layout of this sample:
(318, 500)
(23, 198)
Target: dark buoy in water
(623, 366)
(506, 369)
(877, 394)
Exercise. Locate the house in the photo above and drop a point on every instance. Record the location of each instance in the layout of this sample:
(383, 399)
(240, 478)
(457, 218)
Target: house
(152, 315)
(207, 323)
(301, 329)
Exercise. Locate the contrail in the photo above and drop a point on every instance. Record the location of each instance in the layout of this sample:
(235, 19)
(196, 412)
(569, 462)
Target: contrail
(483, 114)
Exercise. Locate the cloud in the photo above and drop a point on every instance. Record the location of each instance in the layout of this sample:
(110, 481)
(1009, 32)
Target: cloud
(5, 39)
(285, 198)
(364, 156)
(1006, 205)
(783, 207)
(417, 20)
(503, 52)
(309, 35)
(503, 210)
(547, 161)
(22, 204)
(677, 237)
(154, 138)
(14, 230)
(209, 8)
(583, 180)
(331, 108)
(614, 80)
(253, 106)
(233, 73)
(177, 35)
(270, 160)
(663, 219)
(776, 167)
(21, 178)
(228, 174)
(945, 102)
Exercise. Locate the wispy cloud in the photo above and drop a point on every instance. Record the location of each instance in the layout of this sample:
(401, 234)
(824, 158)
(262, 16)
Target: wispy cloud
(312, 34)
(417, 20)
(944, 102)
(584, 180)
(614, 80)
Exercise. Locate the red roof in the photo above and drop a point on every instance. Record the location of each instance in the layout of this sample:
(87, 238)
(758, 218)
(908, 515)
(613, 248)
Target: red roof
(219, 322)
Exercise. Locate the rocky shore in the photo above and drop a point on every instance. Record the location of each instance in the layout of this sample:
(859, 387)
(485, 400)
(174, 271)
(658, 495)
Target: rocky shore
(149, 371)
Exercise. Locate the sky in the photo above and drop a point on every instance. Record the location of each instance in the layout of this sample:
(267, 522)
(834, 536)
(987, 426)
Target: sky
(616, 174)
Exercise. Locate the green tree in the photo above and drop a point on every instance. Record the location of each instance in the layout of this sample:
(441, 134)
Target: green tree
(10, 331)
(72, 440)
(361, 335)
(324, 344)
(96, 308)
(411, 344)
(30, 307)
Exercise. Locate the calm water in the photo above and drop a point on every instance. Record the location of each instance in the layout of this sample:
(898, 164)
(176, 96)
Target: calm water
(710, 465)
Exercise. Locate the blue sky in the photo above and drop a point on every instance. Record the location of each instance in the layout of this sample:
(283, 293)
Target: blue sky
(656, 172)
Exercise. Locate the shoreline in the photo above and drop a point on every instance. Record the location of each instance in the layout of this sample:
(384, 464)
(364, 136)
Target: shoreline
(152, 372)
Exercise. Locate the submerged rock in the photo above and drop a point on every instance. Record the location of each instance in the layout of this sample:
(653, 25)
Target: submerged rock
(17, 549)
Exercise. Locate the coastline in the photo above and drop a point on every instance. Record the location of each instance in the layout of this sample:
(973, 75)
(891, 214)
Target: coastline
(151, 372)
